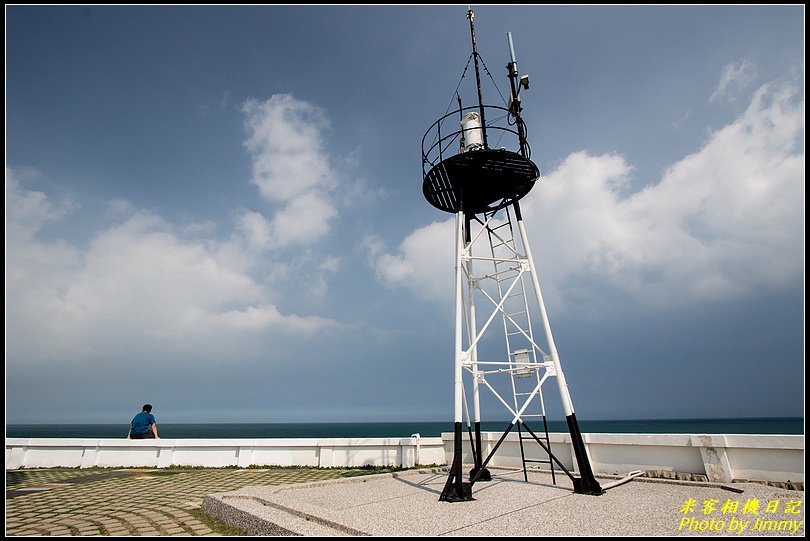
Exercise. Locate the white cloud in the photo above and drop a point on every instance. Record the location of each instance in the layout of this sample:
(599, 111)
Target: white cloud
(424, 261)
(139, 284)
(291, 168)
(286, 146)
(117, 208)
(28, 211)
(143, 282)
(263, 317)
(256, 230)
(721, 223)
(304, 219)
(735, 77)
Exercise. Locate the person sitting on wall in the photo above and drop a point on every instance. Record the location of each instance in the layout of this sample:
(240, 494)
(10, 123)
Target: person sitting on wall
(143, 425)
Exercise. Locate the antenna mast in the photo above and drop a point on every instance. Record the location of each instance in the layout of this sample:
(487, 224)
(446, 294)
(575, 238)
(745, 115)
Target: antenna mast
(471, 17)
(514, 105)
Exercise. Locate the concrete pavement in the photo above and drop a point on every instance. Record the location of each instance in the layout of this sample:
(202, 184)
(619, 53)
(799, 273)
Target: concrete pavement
(407, 503)
(339, 502)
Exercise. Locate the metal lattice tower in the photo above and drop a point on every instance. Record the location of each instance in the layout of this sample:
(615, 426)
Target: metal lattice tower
(497, 290)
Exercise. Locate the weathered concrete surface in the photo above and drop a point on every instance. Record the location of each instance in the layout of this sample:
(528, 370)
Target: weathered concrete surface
(407, 504)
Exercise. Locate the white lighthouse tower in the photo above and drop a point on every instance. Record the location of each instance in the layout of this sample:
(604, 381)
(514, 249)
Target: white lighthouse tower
(497, 289)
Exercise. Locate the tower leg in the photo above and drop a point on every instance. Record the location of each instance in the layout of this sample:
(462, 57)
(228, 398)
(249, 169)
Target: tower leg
(473, 327)
(455, 489)
(587, 483)
(485, 474)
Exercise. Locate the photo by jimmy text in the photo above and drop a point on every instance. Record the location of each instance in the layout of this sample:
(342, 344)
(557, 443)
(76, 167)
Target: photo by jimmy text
(737, 517)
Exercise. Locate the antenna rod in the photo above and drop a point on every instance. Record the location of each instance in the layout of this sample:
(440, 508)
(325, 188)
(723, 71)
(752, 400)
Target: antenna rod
(471, 17)
(514, 106)
(511, 48)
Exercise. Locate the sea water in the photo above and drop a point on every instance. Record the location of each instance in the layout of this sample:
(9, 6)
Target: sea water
(763, 425)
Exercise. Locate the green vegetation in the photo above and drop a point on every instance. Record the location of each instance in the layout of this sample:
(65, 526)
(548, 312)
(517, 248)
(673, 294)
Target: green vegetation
(366, 468)
(216, 526)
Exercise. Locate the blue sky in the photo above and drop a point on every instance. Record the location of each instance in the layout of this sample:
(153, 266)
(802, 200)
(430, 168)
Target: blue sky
(218, 210)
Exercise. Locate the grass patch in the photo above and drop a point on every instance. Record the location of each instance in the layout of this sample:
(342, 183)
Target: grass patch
(216, 526)
(295, 467)
(24, 472)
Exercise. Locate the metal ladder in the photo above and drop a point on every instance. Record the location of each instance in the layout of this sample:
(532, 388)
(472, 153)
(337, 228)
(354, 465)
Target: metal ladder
(522, 350)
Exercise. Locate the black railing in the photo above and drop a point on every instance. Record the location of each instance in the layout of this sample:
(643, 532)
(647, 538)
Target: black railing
(503, 124)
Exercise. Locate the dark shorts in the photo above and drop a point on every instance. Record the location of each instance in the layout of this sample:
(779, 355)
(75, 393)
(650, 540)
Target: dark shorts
(144, 436)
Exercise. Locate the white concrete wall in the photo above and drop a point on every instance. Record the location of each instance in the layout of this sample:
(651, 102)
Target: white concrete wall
(216, 453)
(719, 457)
(722, 458)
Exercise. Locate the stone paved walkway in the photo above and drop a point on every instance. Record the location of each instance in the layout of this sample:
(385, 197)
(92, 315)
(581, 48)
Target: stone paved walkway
(129, 502)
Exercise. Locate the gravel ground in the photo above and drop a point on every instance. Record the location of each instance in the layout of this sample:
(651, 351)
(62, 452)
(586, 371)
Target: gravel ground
(407, 504)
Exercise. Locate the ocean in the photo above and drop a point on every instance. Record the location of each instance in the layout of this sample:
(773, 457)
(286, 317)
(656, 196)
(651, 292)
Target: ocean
(761, 425)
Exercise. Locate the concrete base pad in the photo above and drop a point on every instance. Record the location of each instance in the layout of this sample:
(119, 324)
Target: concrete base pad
(408, 503)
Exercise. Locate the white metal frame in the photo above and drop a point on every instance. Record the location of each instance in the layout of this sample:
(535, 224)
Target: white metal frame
(513, 255)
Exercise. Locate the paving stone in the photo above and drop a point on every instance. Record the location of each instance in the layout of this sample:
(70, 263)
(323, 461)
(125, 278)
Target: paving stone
(117, 502)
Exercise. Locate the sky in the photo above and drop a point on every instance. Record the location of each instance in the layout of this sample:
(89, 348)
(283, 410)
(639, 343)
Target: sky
(218, 210)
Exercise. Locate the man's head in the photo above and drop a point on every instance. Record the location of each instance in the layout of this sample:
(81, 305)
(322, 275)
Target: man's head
(147, 408)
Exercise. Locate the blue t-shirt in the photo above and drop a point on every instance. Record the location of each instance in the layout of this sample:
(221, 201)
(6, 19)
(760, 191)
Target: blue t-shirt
(142, 423)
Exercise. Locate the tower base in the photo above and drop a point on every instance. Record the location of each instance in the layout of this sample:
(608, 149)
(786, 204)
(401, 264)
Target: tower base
(478, 456)
(586, 483)
(583, 485)
(484, 476)
(455, 489)
(464, 494)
